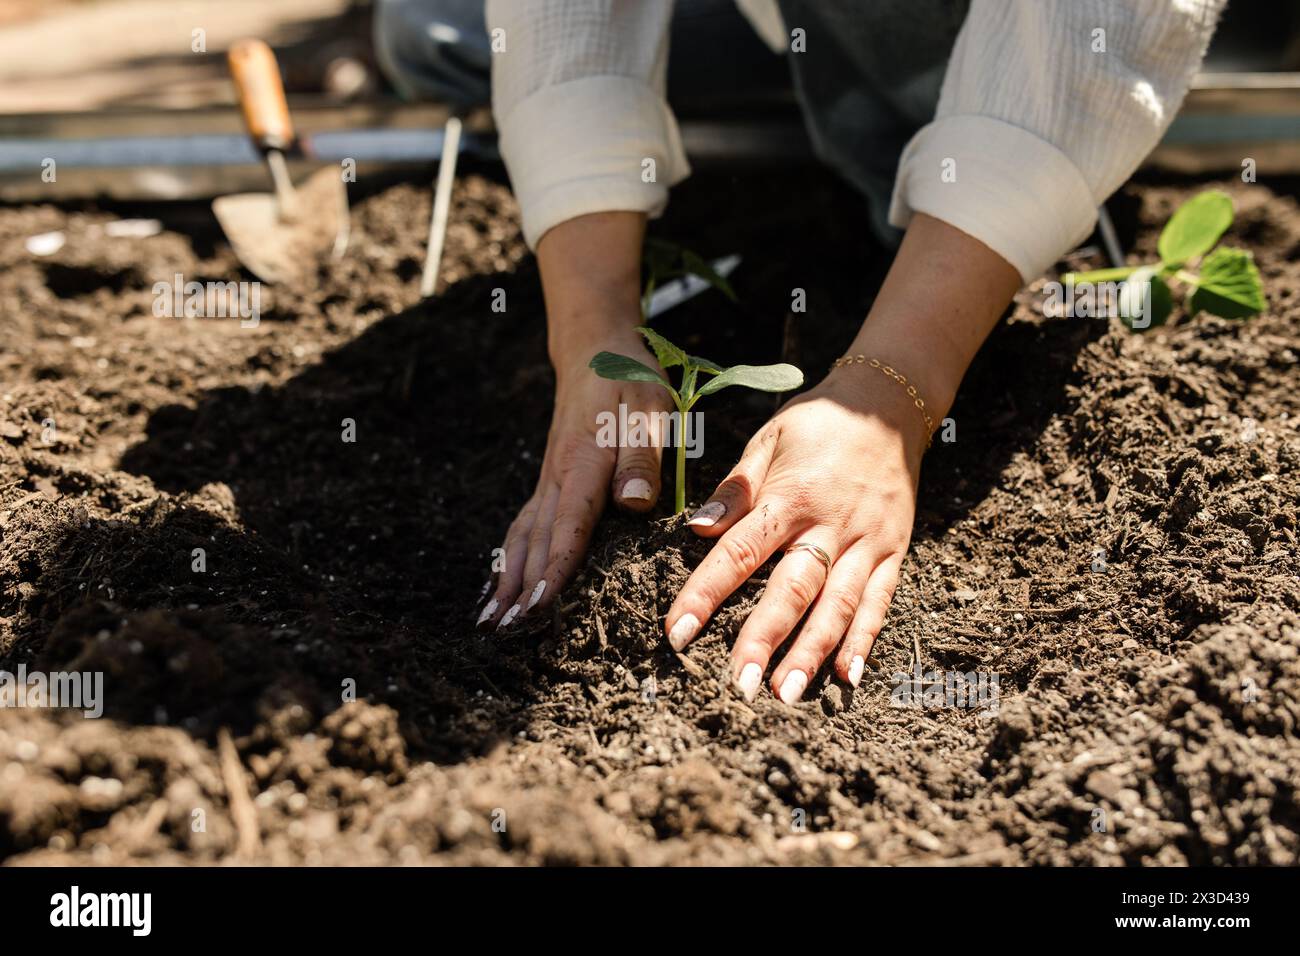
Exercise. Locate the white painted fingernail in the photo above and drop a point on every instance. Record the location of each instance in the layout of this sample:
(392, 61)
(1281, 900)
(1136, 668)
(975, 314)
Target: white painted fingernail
(684, 631)
(510, 616)
(488, 611)
(637, 488)
(856, 666)
(536, 595)
(793, 687)
(710, 513)
(751, 676)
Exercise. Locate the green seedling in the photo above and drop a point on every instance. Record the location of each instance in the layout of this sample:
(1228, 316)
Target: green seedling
(1222, 281)
(621, 368)
(665, 261)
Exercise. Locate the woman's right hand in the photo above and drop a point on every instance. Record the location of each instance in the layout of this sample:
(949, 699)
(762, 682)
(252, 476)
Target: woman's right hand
(549, 536)
(591, 273)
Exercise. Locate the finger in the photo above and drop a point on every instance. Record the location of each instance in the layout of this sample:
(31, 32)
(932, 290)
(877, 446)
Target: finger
(539, 545)
(734, 498)
(731, 562)
(791, 590)
(636, 477)
(829, 618)
(511, 575)
(869, 619)
(580, 503)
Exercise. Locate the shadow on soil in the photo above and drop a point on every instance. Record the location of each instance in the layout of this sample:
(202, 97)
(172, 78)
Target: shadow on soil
(346, 517)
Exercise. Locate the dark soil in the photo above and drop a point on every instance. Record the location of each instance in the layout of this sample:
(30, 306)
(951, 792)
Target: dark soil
(1113, 533)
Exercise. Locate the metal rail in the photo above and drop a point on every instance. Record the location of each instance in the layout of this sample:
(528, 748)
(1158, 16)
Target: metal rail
(200, 153)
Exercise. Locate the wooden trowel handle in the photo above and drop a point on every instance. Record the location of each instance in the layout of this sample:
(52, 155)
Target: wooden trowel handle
(261, 94)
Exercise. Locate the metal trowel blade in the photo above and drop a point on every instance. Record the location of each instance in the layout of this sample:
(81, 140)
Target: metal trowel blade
(285, 246)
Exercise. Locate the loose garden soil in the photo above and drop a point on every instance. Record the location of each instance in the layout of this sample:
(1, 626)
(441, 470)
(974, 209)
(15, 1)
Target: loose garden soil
(1113, 533)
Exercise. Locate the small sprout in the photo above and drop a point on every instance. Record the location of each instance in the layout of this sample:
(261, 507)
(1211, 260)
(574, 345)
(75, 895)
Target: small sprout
(620, 368)
(665, 261)
(1227, 284)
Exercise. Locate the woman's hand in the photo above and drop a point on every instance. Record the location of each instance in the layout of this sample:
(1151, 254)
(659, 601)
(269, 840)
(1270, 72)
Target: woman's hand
(837, 468)
(591, 278)
(550, 535)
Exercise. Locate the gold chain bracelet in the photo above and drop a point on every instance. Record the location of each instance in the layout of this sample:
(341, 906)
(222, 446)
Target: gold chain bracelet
(901, 380)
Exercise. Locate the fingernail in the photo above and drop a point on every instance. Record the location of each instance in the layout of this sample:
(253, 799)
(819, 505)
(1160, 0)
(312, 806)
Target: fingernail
(710, 513)
(637, 488)
(510, 616)
(536, 595)
(687, 626)
(856, 667)
(487, 611)
(793, 687)
(750, 677)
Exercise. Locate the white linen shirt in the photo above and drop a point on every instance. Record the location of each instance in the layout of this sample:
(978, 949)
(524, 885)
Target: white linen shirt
(1047, 107)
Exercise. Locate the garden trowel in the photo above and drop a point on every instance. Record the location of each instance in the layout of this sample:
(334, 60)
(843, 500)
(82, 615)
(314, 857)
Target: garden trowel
(279, 236)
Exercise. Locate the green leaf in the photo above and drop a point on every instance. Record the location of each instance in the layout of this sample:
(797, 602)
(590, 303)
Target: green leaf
(623, 369)
(764, 378)
(660, 257)
(1099, 275)
(667, 353)
(1229, 286)
(695, 265)
(646, 296)
(704, 365)
(1137, 311)
(666, 260)
(1195, 227)
(687, 391)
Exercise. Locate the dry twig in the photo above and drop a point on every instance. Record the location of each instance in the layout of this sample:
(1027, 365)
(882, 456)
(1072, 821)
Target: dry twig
(241, 805)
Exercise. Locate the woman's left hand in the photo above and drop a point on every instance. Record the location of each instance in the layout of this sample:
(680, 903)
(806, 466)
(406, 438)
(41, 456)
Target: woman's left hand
(837, 468)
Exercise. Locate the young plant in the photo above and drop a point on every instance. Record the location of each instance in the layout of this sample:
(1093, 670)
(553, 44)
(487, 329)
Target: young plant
(665, 261)
(621, 368)
(1222, 281)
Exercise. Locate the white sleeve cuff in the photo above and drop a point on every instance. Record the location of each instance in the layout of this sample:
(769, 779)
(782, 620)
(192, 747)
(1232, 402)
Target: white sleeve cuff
(580, 147)
(1013, 191)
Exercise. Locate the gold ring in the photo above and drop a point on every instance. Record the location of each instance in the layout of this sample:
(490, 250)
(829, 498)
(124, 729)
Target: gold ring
(813, 549)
